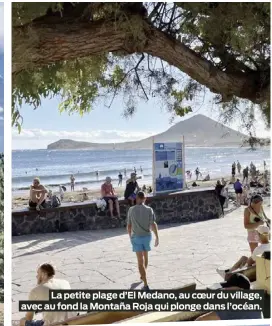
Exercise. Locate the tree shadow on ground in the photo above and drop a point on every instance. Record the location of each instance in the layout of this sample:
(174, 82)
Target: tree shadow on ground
(66, 240)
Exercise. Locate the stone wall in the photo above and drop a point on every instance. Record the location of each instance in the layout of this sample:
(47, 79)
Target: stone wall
(183, 207)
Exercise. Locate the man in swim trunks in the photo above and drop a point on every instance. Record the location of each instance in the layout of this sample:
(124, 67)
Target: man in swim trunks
(239, 167)
(72, 179)
(37, 195)
(140, 222)
(108, 194)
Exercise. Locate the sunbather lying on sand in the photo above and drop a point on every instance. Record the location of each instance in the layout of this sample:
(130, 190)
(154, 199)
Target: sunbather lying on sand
(264, 234)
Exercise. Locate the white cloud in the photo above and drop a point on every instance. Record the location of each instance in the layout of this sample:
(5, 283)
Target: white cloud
(39, 138)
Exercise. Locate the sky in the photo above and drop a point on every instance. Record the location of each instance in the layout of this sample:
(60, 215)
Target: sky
(46, 125)
(1, 25)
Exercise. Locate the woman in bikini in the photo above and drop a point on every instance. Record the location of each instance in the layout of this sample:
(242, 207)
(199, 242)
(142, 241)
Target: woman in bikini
(254, 216)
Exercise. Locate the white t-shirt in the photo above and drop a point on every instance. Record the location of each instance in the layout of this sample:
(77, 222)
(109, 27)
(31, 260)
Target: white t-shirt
(260, 250)
(41, 293)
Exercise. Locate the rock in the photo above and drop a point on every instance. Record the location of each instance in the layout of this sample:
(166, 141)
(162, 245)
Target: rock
(179, 208)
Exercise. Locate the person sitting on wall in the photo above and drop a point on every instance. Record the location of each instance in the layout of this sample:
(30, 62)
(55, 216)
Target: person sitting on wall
(236, 282)
(131, 188)
(108, 194)
(46, 281)
(264, 235)
(37, 195)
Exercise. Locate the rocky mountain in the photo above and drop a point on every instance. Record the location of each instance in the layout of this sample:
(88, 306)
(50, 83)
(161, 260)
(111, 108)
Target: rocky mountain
(198, 131)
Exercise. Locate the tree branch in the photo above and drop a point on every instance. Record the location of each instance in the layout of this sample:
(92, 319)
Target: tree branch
(43, 44)
(136, 72)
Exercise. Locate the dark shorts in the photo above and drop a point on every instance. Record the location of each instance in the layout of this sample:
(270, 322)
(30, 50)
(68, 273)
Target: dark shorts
(34, 323)
(131, 197)
(32, 204)
(231, 315)
(239, 191)
(108, 198)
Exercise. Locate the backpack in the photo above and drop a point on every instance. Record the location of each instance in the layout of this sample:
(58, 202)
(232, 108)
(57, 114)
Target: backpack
(55, 201)
(101, 205)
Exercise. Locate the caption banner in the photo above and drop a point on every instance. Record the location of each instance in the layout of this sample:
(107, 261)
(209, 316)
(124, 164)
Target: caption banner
(156, 300)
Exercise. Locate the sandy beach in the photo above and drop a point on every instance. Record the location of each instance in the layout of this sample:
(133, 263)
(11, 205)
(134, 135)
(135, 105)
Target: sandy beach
(21, 201)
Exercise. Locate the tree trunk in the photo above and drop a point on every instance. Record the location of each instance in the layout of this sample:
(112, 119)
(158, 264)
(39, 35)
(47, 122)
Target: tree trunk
(41, 44)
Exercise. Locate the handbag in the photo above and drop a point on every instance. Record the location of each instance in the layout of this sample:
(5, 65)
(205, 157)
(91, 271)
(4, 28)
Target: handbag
(224, 193)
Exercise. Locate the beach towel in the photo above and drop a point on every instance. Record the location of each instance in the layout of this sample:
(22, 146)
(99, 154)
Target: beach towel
(101, 205)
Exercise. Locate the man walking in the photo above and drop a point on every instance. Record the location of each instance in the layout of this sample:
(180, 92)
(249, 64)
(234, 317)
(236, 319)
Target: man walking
(239, 167)
(140, 222)
(120, 179)
(245, 175)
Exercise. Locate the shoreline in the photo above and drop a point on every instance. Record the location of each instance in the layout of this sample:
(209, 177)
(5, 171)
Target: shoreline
(141, 149)
(21, 200)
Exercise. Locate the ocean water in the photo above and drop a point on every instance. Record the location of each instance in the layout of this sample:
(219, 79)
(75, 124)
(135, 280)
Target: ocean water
(55, 167)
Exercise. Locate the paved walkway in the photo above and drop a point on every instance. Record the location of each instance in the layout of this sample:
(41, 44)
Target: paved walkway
(104, 260)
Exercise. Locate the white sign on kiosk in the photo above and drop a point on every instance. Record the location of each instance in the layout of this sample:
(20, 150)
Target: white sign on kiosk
(168, 166)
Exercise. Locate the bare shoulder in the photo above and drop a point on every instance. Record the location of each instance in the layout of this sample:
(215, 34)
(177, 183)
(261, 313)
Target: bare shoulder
(247, 211)
(43, 188)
